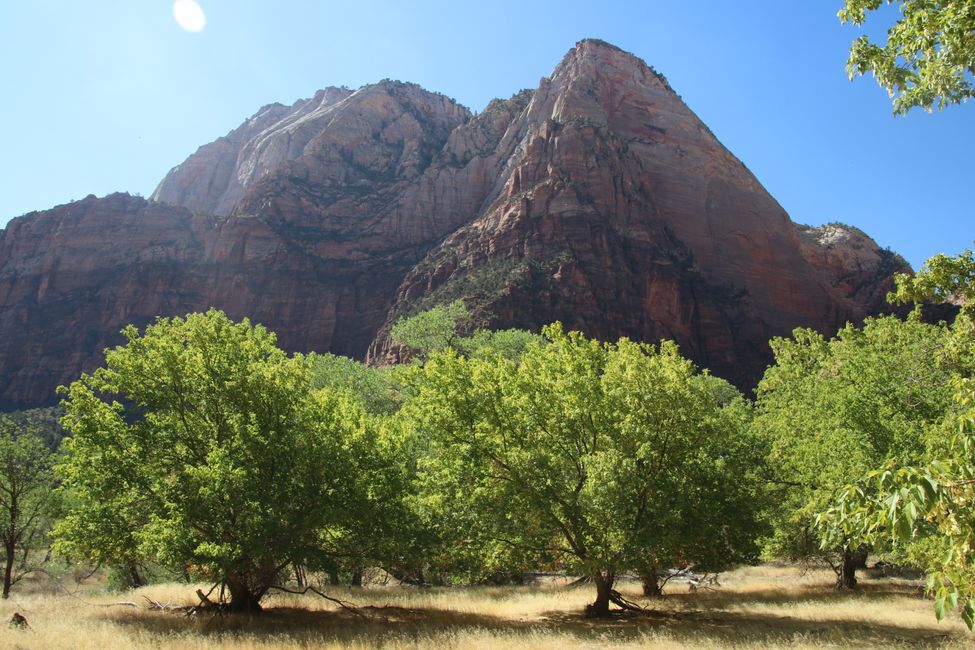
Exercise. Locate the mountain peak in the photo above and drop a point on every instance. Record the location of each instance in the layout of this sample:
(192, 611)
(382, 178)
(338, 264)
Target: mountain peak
(608, 56)
(599, 199)
(598, 47)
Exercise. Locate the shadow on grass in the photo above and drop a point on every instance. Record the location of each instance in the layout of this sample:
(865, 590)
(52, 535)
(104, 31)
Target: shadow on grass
(700, 619)
(364, 625)
(704, 627)
(819, 594)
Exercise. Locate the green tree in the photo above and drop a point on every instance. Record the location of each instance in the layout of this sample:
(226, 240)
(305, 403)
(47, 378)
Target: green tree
(929, 56)
(582, 455)
(509, 343)
(694, 532)
(446, 326)
(941, 279)
(433, 330)
(836, 409)
(44, 422)
(930, 502)
(383, 530)
(27, 499)
(218, 463)
(378, 390)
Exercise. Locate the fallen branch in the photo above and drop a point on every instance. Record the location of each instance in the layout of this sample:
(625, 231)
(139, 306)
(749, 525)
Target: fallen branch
(166, 607)
(706, 582)
(206, 603)
(685, 572)
(344, 605)
(617, 598)
(204, 597)
(123, 603)
(627, 605)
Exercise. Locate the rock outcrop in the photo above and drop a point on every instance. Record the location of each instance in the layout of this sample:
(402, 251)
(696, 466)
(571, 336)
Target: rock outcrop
(598, 199)
(620, 214)
(213, 179)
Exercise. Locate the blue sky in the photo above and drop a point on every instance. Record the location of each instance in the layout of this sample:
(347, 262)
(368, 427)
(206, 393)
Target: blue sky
(107, 96)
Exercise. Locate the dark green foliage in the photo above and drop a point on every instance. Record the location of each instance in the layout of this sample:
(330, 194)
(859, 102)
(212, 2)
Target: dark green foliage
(44, 422)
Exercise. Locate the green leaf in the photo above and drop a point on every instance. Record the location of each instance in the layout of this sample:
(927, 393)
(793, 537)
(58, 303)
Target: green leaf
(968, 613)
(892, 502)
(939, 608)
(903, 527)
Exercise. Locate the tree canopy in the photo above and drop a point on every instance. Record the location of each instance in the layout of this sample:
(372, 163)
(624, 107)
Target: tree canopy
(598, 458)
(448, 325)
(941, 279)
(431, 330)
(929, 502)
(378, 390)
(834, 409)
(199, 446)
(928, 58)
(202, 447)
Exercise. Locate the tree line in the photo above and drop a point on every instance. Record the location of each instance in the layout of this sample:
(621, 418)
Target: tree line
(201, 451)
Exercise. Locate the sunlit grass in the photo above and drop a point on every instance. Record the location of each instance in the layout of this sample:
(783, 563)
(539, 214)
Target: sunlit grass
(757, 607)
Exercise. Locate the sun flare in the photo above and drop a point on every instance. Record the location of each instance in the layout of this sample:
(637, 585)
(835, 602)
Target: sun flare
(189, 14)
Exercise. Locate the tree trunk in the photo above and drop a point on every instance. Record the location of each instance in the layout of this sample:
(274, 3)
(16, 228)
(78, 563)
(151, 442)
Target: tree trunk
(10, 551)
(604, 589)
(135, 579)
(333, 577)
(243, 599)
(651, 583)
(356, 580)
(860, 557)
(846, 576)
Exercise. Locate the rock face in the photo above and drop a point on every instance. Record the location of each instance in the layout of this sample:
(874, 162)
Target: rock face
(619, 213)
(213, 179)
(598, 199)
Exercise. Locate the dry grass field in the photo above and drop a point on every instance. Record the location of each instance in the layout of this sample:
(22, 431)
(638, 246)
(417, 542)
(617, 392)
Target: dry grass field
(757, 607)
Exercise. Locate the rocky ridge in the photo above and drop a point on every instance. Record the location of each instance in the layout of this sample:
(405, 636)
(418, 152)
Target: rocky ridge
(598, 199)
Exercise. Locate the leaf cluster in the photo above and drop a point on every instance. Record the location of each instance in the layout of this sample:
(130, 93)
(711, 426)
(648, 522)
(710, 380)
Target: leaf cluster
(928, 58)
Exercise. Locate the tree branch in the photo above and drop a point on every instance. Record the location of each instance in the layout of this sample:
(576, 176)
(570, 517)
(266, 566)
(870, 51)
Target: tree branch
(344, 605)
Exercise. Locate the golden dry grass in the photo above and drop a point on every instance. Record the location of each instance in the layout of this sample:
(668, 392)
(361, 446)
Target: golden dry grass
(757, 607)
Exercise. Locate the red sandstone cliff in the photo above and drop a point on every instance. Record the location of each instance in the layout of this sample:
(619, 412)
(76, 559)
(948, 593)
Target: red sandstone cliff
(599, 199)
(620, 213)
